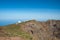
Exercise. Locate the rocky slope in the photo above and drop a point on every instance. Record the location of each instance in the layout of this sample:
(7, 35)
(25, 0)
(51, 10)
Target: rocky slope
(31, 30)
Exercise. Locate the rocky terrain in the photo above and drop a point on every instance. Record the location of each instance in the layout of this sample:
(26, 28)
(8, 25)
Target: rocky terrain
(31, 30)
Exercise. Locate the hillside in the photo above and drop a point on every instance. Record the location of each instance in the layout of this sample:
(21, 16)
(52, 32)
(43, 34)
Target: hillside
(31, 30)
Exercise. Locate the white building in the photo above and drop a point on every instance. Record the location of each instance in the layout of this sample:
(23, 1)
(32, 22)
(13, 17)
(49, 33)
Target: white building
(18, 22)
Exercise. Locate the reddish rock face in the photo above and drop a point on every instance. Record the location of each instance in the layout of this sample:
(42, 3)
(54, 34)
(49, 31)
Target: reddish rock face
(43, 30)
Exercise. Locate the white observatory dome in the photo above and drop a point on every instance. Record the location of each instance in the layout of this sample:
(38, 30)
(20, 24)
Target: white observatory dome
(19, 21)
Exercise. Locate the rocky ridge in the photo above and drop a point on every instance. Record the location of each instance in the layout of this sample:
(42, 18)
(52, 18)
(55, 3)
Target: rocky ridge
(32, 30)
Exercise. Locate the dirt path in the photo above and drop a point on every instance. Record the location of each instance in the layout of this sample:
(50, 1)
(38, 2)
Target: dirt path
(11, 38)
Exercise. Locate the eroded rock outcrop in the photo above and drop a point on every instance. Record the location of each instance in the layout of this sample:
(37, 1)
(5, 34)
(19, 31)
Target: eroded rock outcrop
(49, 30)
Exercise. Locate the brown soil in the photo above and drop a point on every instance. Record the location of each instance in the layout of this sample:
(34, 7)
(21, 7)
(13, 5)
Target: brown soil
(11, 38)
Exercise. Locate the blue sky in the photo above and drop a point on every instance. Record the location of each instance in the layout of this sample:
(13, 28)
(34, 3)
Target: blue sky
(29, 9)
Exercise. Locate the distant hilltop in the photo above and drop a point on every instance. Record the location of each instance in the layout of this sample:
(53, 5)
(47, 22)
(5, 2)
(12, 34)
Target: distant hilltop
(31, 30)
